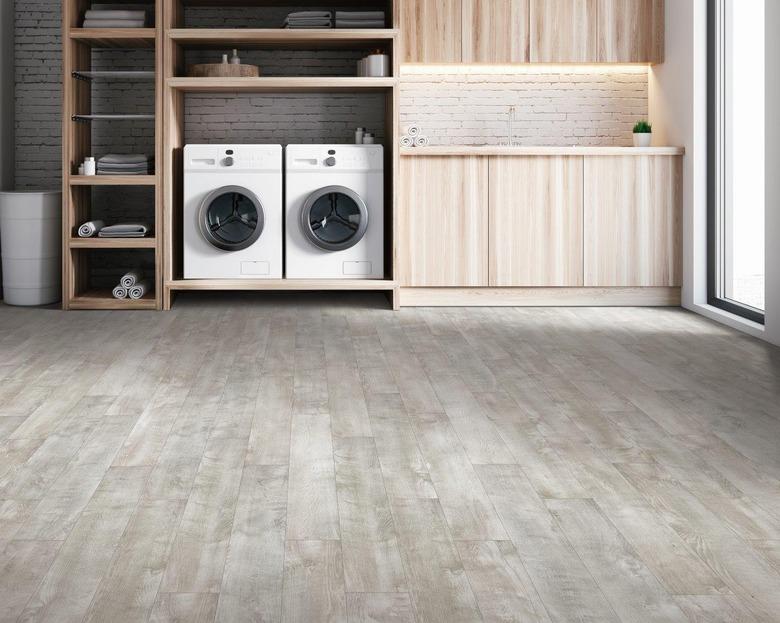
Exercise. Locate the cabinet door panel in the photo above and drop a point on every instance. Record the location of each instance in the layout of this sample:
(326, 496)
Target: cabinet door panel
(536, 221)
(431, 30)
(495, 31)
(631, 31)
(444, 221)
(564, 31)
(633, 229)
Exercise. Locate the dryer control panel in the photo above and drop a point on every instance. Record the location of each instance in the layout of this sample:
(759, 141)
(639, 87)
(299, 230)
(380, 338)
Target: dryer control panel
(335, 158)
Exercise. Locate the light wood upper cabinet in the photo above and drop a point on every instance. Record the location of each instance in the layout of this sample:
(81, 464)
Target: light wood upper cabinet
(564, 31)
(633, 221)
(495, 31)
(536, 221)
(443, 221)
(631, 31)
(432, 31)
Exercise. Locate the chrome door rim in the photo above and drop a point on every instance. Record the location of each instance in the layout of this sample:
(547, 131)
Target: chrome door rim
(220, 244)
(324, 244)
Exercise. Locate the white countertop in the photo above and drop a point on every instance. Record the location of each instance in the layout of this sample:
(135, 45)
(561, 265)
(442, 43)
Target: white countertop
(496, 150)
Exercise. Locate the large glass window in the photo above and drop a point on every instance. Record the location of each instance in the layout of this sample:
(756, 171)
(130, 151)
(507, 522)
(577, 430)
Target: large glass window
(737, 119)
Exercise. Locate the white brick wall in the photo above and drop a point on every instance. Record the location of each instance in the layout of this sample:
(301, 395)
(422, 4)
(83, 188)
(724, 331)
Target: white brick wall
(578, 107)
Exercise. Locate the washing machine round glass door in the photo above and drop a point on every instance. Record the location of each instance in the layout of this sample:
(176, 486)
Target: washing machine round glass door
(334, 218)
(231, 218)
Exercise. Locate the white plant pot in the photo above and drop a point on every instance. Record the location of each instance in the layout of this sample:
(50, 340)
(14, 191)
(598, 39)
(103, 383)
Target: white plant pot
(643, 139)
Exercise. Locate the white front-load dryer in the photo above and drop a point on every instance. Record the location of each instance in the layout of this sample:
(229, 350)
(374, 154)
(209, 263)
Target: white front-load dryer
(335, 212)
(233, 212)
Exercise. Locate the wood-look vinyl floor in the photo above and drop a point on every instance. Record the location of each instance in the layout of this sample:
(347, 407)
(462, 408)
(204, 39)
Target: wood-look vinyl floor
(317, 459)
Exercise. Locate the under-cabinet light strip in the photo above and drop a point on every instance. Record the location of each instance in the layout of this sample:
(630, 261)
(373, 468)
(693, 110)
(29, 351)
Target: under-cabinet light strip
(533, 68)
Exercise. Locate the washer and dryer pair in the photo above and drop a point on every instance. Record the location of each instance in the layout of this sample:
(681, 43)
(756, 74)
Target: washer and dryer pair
(237, 225)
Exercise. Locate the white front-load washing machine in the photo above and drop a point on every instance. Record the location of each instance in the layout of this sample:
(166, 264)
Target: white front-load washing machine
(335, 212)
(233, 212)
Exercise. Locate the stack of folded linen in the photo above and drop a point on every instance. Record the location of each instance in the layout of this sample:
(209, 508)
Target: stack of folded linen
(360, 19)
(110, 18)
(309, 19)
(130, 164)
(124, 230)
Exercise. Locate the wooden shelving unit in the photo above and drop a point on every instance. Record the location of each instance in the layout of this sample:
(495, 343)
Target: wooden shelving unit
(178, 39)
(77, 122)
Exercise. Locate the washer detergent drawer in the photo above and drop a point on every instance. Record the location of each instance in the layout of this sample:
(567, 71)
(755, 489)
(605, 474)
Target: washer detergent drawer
(357, 269)
(258, 269)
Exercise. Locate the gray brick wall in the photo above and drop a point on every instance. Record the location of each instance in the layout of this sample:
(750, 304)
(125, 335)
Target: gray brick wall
(573, 107)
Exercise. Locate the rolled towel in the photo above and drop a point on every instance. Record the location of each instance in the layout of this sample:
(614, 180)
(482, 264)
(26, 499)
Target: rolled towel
(138, 290)
(119, 292)
(90, 228)
(124, 230)
(411, 130)
(407, 141)
(130, 278)
(421, 141)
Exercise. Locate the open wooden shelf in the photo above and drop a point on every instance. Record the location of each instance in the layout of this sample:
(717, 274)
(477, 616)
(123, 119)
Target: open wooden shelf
(112, 243)
(273, 38)
(113, 180)
(280, 85)
(290, 285)
(103, 299)
(115, 37)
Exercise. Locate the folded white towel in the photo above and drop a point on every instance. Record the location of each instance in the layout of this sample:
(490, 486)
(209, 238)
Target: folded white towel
(130, 278)
(90, 228)
(138, 290)
(114, 14)
(421, 141)
(119, 292)
(114, 23)
(125, 230)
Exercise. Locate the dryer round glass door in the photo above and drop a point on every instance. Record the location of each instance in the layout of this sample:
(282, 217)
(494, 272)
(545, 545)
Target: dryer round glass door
(231, 218)
(334, 218)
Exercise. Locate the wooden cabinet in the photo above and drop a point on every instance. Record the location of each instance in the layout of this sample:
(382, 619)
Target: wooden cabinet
(631, 31)
(432, 31)
(495, 31)
(536, 221)
(632, 221)
(564, 31)
(443, 221)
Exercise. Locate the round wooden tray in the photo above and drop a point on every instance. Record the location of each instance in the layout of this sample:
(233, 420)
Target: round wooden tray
(222, 70)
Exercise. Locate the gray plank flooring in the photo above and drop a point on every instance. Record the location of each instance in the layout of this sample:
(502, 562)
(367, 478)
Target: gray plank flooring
(320, 458)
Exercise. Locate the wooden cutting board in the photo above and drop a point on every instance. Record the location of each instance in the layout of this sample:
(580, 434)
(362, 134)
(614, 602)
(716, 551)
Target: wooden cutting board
(223, 70)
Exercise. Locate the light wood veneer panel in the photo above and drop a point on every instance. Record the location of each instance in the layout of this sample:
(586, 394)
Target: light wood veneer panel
(432, 31)
(631, 31)
(444, 221)
(564, 31)
(536, 221)
(495, 31)
(633, 221)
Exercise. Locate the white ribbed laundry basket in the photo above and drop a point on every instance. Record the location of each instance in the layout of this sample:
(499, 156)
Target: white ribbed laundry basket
(31, 239)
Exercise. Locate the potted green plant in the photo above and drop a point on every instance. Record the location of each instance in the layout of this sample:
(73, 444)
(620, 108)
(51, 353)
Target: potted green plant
(643, 134)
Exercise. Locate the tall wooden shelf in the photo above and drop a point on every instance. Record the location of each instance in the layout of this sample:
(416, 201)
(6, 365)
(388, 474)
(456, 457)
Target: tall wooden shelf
(177, 39)
(78, 44)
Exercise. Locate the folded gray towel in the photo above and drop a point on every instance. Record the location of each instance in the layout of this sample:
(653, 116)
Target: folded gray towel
(125, 230)
(114, 23)
(361, 15)
(90, 228)
(355, 24)
(114, 14)
(309, 14)
(122, 159)
(119, 292)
